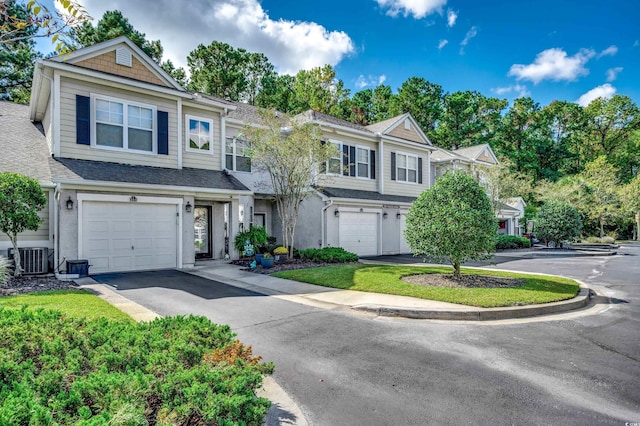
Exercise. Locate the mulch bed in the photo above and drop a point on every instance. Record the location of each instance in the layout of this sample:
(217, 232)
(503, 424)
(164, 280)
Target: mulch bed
(33, 284)
(283, 266)
(465, 281)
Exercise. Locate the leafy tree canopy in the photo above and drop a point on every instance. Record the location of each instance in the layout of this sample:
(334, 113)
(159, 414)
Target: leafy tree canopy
(558, 222)
(453, 220)
(20, 200)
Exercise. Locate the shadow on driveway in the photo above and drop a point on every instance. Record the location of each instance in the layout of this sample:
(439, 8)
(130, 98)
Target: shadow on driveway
(172, 279)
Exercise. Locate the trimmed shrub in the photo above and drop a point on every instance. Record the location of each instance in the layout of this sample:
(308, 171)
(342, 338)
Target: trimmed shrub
(505, 242)
(328, 255)
(181, 370)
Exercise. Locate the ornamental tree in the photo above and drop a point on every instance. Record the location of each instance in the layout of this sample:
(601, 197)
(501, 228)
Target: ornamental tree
(452, 221)
(20, 200)
(557, 222)
(289, 151)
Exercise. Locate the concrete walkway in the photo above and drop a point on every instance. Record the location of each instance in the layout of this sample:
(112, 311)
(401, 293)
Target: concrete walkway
(375, 303)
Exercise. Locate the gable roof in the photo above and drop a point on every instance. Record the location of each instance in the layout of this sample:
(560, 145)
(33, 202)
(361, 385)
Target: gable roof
(387, 126)
(315, 116)
(476, 151)
(111, 45)
(441, 155)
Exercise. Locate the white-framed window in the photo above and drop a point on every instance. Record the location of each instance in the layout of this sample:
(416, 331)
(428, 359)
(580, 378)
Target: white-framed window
(334, 165)
(362, 162)
(199, 134)
(406, 168)
(123, 125)
(237, 155)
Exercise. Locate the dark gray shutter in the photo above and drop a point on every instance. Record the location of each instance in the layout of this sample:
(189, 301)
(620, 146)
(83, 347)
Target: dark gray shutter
(345, 160)
(163, 132)
(352, 161)
(419, 169)
(393, 166)
(83, 120)
(372, 162)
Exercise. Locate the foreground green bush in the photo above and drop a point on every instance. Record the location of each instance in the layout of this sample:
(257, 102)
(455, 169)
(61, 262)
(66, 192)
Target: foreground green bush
(182, 370)
(328, 255)
(504, 242)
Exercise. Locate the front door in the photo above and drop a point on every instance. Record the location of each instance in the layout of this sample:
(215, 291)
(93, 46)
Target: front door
(202, 231)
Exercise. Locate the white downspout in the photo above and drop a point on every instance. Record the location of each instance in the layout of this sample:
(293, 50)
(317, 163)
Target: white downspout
(180, 147)
(56, 227)
(381, 163)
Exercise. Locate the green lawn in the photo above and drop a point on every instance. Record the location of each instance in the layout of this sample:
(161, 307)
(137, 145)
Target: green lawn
(74, 303)
(386, 279)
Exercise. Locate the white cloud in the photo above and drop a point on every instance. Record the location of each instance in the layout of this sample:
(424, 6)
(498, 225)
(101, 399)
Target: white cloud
(370, 80)
(470, 34)
(451, 18)
(519, 89)
(636, 43)
(609, 51)
(553, 64)
(604, 91)
(416, 8)
(442, 44)
(289, 45)
(612, 73)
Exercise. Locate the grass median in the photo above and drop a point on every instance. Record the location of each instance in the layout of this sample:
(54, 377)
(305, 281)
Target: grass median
(74, 303)
(387, 280)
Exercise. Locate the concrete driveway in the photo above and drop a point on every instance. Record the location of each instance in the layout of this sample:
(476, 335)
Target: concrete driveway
(346, 368)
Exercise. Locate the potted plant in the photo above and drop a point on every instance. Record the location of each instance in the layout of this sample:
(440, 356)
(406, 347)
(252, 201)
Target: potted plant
(255, 236)
(267, 261)
(281, 254)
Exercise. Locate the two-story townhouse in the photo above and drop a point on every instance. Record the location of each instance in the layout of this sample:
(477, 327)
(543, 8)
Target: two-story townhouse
(133, 163)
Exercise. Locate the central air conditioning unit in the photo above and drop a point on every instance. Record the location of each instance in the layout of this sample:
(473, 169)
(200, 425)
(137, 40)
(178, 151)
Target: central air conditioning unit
(33, 260)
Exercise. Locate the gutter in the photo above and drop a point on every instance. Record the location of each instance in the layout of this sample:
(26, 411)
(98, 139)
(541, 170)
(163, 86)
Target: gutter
(132, 186)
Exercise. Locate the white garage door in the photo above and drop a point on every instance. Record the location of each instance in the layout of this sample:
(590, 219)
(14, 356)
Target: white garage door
(359, 233)
(128, 236)
(404, 247)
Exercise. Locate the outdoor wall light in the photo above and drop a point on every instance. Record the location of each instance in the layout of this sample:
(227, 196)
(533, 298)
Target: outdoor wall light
(188, 207)
(336, 213)
(384, 215)
(69, 204)
(398, 215)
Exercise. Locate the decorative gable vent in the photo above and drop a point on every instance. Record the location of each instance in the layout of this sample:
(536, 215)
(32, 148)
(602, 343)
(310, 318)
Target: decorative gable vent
(407, 124)
(123, 57)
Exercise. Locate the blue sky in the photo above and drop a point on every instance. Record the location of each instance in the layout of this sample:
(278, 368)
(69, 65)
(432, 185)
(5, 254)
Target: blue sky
(566, 50)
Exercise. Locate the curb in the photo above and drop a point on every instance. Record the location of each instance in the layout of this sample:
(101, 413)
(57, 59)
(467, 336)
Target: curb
(484, 314)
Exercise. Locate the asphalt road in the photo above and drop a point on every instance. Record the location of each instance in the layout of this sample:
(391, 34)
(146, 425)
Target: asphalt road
(344, 368)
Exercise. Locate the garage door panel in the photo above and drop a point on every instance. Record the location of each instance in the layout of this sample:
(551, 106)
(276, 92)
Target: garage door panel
(129, 236)
(404, 247)
(359, 233)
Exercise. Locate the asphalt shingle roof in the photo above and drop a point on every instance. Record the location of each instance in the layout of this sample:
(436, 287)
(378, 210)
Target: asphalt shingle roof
(22, 143)
(364, 195)
(68, 168)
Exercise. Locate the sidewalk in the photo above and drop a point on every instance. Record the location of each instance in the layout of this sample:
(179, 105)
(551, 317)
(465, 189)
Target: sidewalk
(379, 304)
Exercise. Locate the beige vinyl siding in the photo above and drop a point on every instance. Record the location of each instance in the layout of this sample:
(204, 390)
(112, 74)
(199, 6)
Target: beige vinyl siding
(351, 182)
(48, 127)
(69, 88)
(412, 135)
(42, 234)
(202, 160)
(405, 188)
